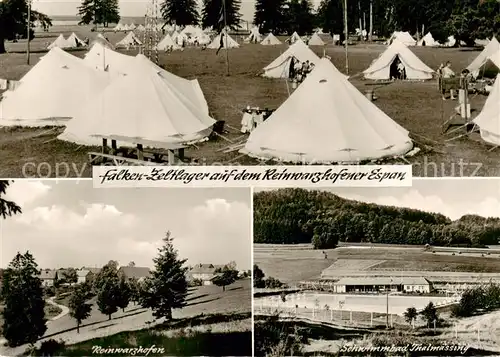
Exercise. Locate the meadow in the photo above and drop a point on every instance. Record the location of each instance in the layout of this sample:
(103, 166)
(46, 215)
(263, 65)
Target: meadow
(417, 106)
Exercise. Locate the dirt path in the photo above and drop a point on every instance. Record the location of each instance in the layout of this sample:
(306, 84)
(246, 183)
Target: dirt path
(64, 312)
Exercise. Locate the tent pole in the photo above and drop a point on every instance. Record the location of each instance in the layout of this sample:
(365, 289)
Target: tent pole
(346, 35)
(226, 34)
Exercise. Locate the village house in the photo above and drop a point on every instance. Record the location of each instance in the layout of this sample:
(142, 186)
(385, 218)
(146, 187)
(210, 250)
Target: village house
(204, 272)
(139, 273)
(91, 273)
(48, 277)
(82, 275)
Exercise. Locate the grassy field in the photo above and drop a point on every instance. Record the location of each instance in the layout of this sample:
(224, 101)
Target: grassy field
(292, 265)
(415, 105)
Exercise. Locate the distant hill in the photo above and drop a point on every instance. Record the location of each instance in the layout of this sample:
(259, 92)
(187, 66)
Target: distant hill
(293, 216)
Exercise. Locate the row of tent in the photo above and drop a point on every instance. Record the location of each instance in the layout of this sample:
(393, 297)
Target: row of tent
(427, 40)
(71, 42)
(379, 69)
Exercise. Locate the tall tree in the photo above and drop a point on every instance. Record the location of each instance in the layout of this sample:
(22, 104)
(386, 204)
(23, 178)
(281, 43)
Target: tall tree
(22, 291)
(258, 277)
(167, 287)
(213, 14)
(79, 308)
(125, 293)
(99, 12)
(269, 15)
(180, 12)
(70, 276)
(299, 17)
(14, 21)
(330, 16)
(227, 276)
(107, 285)
(7, 208)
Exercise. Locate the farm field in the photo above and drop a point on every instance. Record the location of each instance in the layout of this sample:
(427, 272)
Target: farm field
(293, 265)
(417, 106)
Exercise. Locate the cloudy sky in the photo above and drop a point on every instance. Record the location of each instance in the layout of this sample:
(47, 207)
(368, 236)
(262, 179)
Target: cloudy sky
(68, 223)
(451, 197)
(127, 7)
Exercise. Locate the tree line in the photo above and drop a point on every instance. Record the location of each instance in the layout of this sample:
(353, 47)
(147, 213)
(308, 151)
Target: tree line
(22, 292)
(293, 216)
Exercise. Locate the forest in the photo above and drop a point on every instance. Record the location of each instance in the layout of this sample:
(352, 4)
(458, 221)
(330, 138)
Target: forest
(295, 216)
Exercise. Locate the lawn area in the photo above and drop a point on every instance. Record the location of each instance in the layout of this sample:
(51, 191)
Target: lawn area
(417, 106)
(292, 265)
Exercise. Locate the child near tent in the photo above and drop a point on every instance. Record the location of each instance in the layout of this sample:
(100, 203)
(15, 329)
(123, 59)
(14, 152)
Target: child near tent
(448, 84)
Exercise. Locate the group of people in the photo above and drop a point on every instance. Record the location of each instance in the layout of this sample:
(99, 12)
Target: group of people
(449, 81)
(397, 70)
(253, 117)
(299, 70)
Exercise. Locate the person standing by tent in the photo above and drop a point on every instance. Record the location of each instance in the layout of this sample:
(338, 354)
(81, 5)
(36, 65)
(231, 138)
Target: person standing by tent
(291, 71)
(448, 85)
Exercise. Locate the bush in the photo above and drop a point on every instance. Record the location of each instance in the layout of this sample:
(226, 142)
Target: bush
(196, 282)
(50, 291)
(50, 348)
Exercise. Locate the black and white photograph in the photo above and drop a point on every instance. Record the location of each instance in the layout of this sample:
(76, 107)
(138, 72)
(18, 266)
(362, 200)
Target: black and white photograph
(254, 82)
(408, 271)
(124, 272)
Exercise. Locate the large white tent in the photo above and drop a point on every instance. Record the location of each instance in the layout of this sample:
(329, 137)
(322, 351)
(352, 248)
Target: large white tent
(403, 37)
(489, 50)
(428, 41)
(415, 68)
(52, 91)
(270, 40)
(280, 67)
(227, 41)
(129, 40)
(254, 36)
(167, 43)
(118, 27)
(103, 58)
(327, 120)
(315, 40)
(142, 106)
(59, 42)
(488, 120)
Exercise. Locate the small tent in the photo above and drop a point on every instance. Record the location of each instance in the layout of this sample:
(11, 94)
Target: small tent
(167, 43)
(428, 41)
(129, 40)
(270, 40)
(415, 69)
(141, 28)
(484, 57)
(280, 67)
(327, 120)
(254, 36)
(403, 37)
(100, 39)
(132, 26)
(488, 120)
(118, 27)
(74, 41)
(59, 42)
(315, 40)
(227, 41)
(142, 107)
(52, 91)
(294, 38)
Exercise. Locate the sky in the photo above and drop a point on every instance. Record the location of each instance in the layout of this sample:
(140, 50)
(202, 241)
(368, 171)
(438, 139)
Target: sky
(128, 8)
(70, 224)
(451, 197)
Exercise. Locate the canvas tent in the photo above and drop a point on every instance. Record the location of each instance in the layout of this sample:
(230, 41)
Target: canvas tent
(142, 106)
(270, 40)
(228, 42)
(129, 40)
(103, 58)
(294, 38)
(380, 69)
(140, 28)
(74, 41)
(428, 41)
(59, 42)
(167, 43)
(403, 37)
(100, 39)
(315, 40)
(118, 27)
(60, 83)
(327, 120)
(254, 36)
(488, 120)
(280, 67)
(484, 57)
